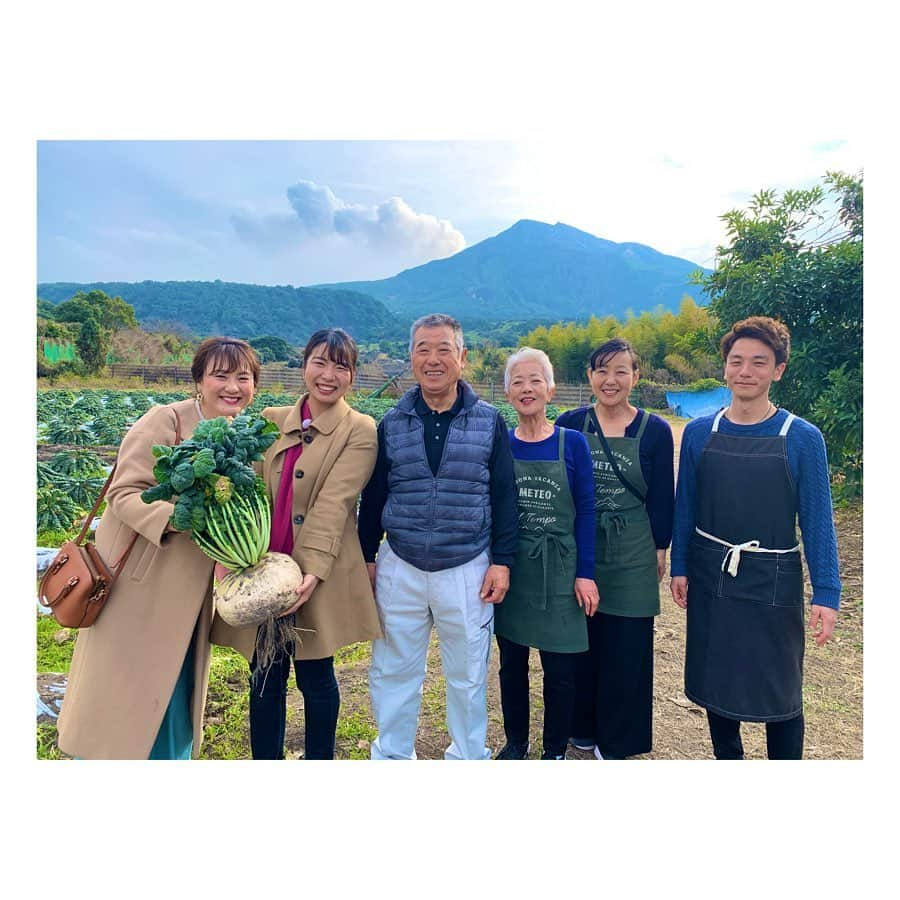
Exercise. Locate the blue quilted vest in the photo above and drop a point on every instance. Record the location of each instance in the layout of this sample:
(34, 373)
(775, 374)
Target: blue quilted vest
(435, 522)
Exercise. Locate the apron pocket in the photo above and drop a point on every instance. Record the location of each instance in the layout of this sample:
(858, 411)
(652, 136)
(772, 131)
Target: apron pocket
(789, 580)
(704, 567)
(755, 581)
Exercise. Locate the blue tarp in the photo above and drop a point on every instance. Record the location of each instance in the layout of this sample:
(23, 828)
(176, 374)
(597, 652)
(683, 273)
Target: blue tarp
(692, 404)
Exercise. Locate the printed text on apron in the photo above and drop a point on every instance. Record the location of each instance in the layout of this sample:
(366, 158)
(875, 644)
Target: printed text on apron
(625, 568)
(540, 609)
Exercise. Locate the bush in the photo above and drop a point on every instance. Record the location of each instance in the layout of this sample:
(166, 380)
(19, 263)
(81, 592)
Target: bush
(649, 394)
(56, 537)
(838, 411)
(702, 384)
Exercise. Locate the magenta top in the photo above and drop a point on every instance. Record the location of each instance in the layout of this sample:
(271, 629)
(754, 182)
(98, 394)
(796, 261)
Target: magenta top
(281, 539)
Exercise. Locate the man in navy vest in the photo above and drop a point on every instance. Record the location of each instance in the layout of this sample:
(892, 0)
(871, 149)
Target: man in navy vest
(443, 495)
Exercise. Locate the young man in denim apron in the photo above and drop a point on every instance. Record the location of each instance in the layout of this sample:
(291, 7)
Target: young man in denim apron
(747, 476)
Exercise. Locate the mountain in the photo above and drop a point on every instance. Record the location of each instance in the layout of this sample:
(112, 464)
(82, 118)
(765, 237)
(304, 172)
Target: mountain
(529, 274)
(243, 310)
(538, 271)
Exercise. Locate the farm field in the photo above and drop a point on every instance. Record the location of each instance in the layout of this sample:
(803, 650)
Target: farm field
(833, 690)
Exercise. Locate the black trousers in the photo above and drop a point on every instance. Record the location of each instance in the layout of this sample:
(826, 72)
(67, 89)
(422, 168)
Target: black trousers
(268, 707)
(559, 695)
(614, 686)
(784, 740)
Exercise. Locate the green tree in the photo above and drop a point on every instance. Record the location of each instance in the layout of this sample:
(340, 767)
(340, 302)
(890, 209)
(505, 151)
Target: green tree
(681, 343)
(93, 344)
(113, 312)
(798, 257)
(272, 349)
(46, 309)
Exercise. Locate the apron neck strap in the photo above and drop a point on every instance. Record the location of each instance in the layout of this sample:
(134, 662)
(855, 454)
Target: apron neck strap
(562, 441)
(644, 418)
(718, 419)
(787, 424)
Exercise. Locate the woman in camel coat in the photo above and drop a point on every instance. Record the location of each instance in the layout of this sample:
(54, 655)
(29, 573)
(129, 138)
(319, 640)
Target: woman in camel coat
(139, 675)
(315, 501)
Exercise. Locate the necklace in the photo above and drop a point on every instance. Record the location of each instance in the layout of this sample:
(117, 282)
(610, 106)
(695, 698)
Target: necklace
(771, 409)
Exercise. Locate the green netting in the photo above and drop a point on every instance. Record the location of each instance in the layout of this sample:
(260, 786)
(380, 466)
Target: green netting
(55, 351)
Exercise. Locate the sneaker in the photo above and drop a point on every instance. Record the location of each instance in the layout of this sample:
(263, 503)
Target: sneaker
(552, 756)
(582, 743)
(597, 753)
(514, 751)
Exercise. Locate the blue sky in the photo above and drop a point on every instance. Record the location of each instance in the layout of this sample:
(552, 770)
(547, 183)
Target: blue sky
(305, 212)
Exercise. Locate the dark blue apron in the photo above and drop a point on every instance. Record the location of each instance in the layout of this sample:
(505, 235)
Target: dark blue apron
(745, 627)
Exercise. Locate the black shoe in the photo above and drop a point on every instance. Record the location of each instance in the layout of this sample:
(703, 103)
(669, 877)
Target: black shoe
(514, 751)
(546, 755)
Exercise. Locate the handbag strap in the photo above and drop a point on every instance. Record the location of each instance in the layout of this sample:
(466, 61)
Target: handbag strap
(612, 460)
(117, 565)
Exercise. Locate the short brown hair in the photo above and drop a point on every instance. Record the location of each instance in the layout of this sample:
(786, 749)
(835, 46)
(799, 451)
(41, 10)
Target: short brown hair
(771, 332)
(227, 354)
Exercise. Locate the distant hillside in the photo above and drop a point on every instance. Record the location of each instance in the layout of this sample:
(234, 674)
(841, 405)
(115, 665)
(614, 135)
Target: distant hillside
(538, 271)
(244, 310)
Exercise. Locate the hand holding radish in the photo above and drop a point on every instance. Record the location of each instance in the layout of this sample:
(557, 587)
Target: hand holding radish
(304, 592)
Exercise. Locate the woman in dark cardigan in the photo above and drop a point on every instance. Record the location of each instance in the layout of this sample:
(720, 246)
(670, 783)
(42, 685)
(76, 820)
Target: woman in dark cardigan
(633, 454)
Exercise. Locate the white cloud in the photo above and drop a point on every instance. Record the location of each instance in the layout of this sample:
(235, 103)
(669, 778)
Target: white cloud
(391, 226)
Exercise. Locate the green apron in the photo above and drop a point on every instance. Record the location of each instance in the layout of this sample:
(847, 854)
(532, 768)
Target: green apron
(540, 609)
(625, 567)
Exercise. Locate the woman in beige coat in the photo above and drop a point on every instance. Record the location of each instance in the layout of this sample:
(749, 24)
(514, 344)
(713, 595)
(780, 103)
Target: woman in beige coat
(139, 675)
(314, 473)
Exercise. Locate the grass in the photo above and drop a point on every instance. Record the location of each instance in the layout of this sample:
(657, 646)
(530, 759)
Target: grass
(358, 731)
(353, 653)
(53, 656)
(46, 741)
(226, 734)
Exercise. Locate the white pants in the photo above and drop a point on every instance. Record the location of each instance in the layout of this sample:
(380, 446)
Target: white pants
(409, 601)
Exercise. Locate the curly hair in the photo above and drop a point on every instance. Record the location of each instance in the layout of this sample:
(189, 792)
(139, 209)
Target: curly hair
(771, 332)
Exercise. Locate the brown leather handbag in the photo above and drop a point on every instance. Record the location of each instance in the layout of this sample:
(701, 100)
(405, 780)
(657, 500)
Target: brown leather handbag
(78, 582)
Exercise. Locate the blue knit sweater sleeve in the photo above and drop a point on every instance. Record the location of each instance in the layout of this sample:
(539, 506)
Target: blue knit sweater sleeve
(808, 465)
(808, 461)
(579, 471)
(693, 440)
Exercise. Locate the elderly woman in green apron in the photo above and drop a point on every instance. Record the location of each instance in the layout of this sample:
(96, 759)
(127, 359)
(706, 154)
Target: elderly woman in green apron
(632, 454)
(551, 586)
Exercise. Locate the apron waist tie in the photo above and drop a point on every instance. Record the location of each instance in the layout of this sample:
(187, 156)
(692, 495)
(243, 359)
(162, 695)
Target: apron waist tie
(539, 547)
(732, 559)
